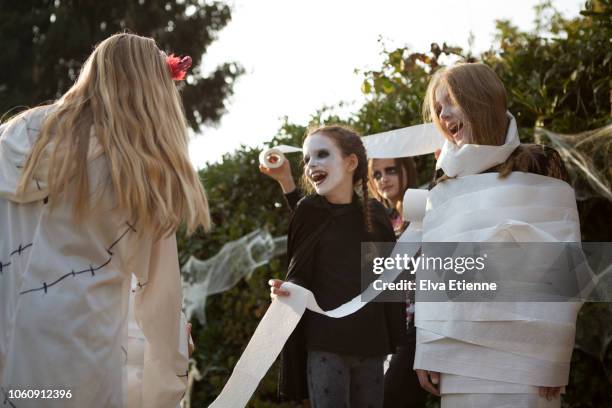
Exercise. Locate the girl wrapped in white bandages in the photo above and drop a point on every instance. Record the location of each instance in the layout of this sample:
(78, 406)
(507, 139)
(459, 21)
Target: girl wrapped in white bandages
(490, 188)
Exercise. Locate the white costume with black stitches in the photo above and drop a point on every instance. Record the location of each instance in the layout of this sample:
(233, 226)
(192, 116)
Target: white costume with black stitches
(65, 289)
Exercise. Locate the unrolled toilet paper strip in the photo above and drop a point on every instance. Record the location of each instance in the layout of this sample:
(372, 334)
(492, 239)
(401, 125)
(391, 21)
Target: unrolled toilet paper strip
(274, 157)
(276, 326)
(406, 142)
(414, 204)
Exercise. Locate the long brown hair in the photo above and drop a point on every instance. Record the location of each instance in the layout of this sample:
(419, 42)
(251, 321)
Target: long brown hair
(126, 99)
(349, 142)
(402, 164)
(479, 93)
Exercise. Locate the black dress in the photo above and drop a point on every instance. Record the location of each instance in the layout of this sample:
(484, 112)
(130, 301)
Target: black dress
(324, 251)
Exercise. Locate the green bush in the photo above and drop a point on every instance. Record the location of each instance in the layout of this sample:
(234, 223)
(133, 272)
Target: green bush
(558, 76)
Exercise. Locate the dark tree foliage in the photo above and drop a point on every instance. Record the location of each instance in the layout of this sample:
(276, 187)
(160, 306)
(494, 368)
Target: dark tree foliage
(44, 43)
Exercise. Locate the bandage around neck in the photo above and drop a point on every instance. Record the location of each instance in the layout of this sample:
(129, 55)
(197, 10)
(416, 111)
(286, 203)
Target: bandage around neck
(473, 159)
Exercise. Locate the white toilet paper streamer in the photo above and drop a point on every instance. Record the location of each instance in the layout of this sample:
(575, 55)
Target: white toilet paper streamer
(414, 204)
(276, 326)
(405, 142)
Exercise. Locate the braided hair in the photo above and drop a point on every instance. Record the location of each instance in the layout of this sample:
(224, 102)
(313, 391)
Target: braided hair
(349, 142)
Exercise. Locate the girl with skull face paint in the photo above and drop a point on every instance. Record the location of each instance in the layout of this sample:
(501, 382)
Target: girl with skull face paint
(388, 180)
(336, 362)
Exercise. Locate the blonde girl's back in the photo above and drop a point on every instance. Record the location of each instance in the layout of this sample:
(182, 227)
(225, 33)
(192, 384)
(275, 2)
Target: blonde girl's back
(125, 101)
(92, 189)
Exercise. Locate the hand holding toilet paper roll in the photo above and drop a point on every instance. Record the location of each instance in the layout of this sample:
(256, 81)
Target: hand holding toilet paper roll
(414, 204)
(274, 157)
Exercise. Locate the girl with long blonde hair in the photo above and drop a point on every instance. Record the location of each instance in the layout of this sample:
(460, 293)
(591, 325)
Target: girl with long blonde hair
(92, 190)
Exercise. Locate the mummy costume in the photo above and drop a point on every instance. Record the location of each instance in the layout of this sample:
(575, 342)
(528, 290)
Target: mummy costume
(65, 293)
(497, 354)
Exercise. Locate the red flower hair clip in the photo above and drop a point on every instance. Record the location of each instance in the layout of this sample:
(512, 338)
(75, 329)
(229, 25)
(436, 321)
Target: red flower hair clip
(178, 66)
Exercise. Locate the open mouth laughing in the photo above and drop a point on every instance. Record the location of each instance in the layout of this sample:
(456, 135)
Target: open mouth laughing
(318, 177)
(454, 128)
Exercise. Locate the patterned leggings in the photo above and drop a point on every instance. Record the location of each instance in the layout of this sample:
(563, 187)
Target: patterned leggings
(337, 381)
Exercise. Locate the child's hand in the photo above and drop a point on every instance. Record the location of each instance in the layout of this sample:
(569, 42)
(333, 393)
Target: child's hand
(281, 174)
(429, 380)
(275, 289)
(549, 393)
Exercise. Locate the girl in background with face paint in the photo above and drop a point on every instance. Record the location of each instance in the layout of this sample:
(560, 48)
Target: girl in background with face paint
(336, 362)
(389, 180)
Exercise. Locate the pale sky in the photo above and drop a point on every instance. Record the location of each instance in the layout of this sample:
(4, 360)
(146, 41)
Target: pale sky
(301, 55)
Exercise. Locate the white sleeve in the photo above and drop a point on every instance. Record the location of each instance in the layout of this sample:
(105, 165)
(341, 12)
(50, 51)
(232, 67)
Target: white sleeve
(157, 309)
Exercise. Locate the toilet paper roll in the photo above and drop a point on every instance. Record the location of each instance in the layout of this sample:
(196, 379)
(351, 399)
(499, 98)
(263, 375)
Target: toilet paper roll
(274, 157)
(414, 204)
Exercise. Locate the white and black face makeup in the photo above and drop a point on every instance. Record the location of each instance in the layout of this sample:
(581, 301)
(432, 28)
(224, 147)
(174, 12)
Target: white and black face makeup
(323, 163)
(386, 178)
(452, 119)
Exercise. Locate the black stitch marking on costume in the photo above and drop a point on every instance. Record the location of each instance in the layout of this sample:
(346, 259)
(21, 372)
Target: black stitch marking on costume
(45, 286)
(125, 352)
(91, 270)
(131, 226)
(140, 286)
(2, 266)
(46, 200)
(119, 239)
(184, 375)
(37, 184)
(20, 249)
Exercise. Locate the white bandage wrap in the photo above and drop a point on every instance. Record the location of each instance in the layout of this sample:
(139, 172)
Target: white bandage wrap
(414, 204)
(498, 347)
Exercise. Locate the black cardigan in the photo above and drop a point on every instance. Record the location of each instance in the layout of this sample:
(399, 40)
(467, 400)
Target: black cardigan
(318, 228)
